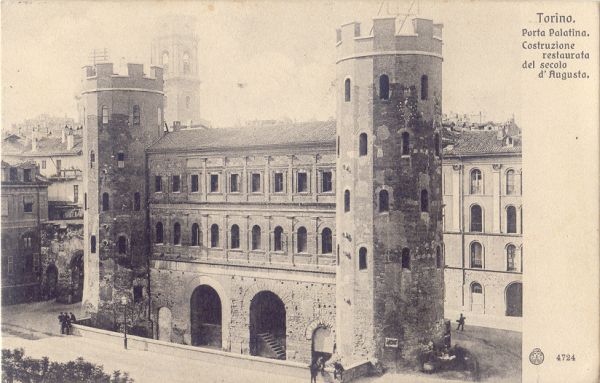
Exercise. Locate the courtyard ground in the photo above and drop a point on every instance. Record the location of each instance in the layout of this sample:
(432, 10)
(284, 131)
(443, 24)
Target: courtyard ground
(34, 327)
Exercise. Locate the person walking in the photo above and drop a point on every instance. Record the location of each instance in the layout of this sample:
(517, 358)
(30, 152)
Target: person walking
(461, 323)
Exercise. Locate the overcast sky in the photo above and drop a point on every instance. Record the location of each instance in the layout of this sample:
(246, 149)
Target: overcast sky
(283, 51)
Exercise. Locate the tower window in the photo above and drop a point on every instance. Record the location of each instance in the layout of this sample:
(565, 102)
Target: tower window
(177, 234)
(347, 88)
(302, 182)
(121, 160)
(405, 144)
(105, 202)
(92, 159)
(326, 182)
(362, 144)
(214, 183)
(476, 181)
(105, 115)
(196, 235)
(476, 219)
(214, 235)
(176, 184)
(510, 258)
(384, 202)
(326, 241)
(436, 144)
(186, 63)
(362, 258)
(301, 237)
(256, 237)
(278, 240)
(406, 258)
(278, 183)
(136, 201)
(136, 115)
(93, 244)
(234, 186)
(235, 237)
(424, 87)
(195, 185)
(159, 233)
(424, 201)
(476, 255)
(384, 87)
(510, 182)
(347, 201)
(511, 219)
(256, 182)
(157, 184)
(122, 244)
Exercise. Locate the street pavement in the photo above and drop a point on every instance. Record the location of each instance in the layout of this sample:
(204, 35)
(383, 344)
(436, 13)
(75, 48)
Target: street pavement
(35, 328)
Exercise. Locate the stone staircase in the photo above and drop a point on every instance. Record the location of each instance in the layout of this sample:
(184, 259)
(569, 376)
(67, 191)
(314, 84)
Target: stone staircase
(273, 344)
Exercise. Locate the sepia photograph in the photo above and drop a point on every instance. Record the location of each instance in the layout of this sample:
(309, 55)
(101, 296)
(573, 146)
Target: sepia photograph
(318, 191)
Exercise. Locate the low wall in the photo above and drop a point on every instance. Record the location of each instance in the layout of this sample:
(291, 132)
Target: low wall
(279, 367)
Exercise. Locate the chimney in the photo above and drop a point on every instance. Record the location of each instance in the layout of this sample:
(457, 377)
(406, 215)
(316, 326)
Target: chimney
(500, 133)
(70, 141)
(34, 139)
(63, 136)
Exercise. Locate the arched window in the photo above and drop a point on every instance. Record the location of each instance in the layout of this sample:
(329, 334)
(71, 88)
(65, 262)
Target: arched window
(384, 87)
(405, 144)
(326, 241)
(424, 201)
(196, 235)
(137, 201)
(424, 87)
(235, 237)
(511, 219)
(93, 244)
(476, 219)
(256, 237)
(214, 235)
(165, 61)
(159, 232)
(347, 88)
(362, 258)
(476, 255)
(136, 115)
(438, 257)
(476, 288)
(384, 201)
(436, 144)
(476, 181)
(92, 159)
(105, 115)
(510, 258)
(301, 237)
(510, 182)
(122, 244)
(278, 245)
(105, 202)
(347, 200)
(406, 258)
(362, 144)
(177, 234)
(186, 63)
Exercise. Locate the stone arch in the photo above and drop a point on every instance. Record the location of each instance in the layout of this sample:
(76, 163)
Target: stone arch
(315, 324)
(225, 307)
(258, 287)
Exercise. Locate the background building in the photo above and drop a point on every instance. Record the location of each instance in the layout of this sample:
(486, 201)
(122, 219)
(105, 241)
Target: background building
(24, 210)
(483, 226)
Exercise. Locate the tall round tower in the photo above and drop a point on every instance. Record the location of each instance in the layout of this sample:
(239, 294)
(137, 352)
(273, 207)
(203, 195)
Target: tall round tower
(389, 207)
(123, 116)
(175, 48)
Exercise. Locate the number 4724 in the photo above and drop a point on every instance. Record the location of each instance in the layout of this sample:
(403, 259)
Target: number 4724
(565, 357)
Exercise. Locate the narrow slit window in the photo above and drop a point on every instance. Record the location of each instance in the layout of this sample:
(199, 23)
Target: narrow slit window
(362, 258)
(347, 88)
(362, 145)
(384, 87)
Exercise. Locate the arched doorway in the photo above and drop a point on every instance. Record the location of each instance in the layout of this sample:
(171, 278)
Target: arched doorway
(267, 326)
(322, 343)
(514, 300)
(77, 277)
(51, 282)
(477, 298)
(206, 317)
(164, 324)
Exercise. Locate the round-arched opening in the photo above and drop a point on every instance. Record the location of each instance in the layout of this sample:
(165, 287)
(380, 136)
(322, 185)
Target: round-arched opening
(322, 343)
(206, 317)
(514, 300)
(267, 326)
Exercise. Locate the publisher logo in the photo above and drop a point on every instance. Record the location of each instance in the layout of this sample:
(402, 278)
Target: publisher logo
(536, 356)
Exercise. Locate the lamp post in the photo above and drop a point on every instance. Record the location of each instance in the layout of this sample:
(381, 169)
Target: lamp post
(124, 302)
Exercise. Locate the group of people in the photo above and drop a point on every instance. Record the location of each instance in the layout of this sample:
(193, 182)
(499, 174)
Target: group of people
(66, 320)
(319, 365)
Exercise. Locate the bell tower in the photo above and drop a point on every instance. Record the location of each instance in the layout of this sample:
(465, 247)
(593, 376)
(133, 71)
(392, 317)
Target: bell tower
(390, 286)
(175, 48)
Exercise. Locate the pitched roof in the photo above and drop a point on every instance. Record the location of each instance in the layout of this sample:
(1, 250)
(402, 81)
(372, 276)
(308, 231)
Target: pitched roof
(248, 136)
(53, 146)
(481, 143)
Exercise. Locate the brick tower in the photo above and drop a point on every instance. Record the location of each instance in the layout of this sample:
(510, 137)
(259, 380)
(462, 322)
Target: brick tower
(175, 48)
(123, 116)
(389, 204)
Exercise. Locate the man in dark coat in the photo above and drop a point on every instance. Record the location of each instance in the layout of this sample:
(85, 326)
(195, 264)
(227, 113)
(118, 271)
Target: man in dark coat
(314, 371)
(72, 318)
(61, 320)
(461, 323)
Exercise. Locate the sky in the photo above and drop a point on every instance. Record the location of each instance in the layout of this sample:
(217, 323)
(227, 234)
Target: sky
(283, 51)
